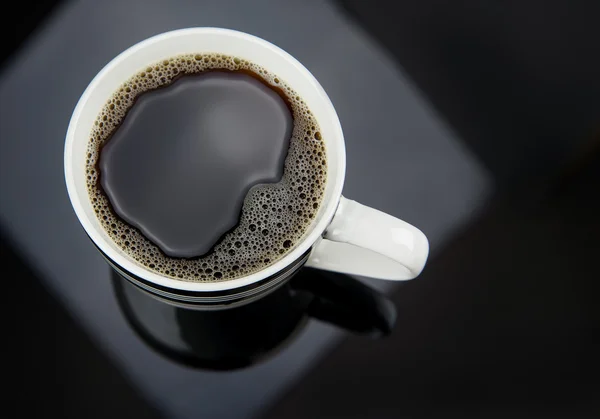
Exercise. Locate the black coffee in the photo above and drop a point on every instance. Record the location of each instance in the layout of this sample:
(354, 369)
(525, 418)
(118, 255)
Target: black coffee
(206, 167)
(184, 159)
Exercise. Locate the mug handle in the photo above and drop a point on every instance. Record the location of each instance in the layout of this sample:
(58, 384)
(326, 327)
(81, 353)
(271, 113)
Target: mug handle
(364, 241)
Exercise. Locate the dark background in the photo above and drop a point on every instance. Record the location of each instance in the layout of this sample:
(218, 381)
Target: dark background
(504, 321)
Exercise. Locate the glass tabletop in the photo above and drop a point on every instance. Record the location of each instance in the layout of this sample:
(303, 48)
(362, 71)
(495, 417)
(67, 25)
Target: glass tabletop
(393, 138)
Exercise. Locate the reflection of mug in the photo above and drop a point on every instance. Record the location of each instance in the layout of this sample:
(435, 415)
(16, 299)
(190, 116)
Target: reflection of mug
(344, 237)
(247, 334)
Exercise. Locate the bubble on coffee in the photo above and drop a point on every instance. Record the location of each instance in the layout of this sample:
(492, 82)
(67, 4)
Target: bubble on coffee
(274, 217)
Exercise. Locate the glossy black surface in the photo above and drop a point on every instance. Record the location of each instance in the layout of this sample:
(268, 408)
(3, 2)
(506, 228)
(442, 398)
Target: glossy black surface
(502, 323)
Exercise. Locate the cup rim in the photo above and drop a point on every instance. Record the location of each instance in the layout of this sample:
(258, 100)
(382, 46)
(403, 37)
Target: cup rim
(119, 257)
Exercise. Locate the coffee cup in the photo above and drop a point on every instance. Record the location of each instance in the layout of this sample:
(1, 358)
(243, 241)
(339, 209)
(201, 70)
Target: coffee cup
(344, 236)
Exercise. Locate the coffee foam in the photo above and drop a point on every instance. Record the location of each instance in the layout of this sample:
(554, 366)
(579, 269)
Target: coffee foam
(274, 217)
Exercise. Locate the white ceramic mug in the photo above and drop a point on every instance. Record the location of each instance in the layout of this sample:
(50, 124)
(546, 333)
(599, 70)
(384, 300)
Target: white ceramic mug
(345, 236)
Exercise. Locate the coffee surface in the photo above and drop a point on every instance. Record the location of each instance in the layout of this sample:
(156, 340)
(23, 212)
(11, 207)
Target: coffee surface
(185, 157)
(206, 167)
